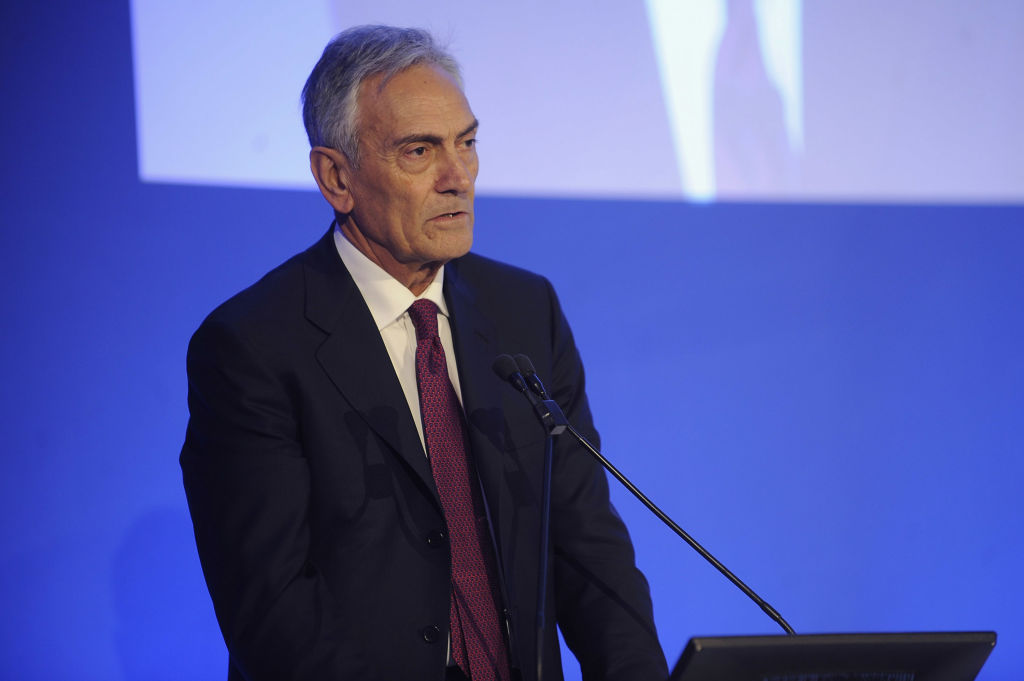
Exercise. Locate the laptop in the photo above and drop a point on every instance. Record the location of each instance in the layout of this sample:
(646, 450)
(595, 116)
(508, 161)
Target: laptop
(932, 656)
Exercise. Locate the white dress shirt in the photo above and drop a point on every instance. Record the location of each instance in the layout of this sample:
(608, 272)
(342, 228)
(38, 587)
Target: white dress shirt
(389, 302)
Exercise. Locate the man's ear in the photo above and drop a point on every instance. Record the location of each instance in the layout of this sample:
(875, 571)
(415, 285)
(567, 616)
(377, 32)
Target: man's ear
(332, 171)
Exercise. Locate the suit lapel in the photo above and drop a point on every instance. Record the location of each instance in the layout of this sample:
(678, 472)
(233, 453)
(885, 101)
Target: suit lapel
(475, 340)
(355, 359)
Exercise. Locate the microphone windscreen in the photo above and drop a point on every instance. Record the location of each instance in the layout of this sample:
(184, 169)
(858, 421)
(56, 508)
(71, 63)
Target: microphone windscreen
(525, 365)
(505, 367)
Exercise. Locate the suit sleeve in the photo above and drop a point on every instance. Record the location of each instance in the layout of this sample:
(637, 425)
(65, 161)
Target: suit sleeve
(603, 601)
(248, 489)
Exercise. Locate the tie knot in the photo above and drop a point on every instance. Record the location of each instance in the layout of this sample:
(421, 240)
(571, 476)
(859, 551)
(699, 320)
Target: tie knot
(424, 317)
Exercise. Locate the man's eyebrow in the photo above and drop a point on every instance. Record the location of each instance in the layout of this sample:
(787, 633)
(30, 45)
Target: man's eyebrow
(435, 139)
(471, 128)
(419, 137)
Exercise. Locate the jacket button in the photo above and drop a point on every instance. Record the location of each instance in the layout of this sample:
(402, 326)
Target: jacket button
(431, 633)
(435, 538)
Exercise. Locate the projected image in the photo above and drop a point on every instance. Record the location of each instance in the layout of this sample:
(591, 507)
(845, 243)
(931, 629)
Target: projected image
(731, 74)
(703, 100)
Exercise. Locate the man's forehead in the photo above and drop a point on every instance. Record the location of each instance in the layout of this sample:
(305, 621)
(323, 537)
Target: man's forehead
(426, 76)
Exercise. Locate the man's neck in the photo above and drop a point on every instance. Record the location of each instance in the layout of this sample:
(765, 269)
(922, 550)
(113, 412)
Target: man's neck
(415, 277)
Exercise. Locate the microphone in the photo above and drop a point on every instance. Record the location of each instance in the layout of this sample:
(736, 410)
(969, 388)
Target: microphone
(526, 367)
(548, 411)
(508, 370)
(526, 370)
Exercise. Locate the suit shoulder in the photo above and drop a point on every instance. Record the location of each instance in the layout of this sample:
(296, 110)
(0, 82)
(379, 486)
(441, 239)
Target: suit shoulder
(506, 293)
(485, 273)
(275, 304)
(277, 292)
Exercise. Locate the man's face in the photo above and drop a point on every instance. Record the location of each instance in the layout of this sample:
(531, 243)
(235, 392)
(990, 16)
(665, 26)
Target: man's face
(413, 188)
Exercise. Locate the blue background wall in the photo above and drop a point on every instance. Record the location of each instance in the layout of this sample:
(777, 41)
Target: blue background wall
(829, 396)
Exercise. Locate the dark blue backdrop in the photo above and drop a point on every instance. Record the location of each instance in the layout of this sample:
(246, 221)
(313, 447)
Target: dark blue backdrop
(828, 396)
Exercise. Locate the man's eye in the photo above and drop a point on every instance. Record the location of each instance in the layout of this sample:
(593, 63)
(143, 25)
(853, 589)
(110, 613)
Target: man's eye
(470, 143)
(418, 151)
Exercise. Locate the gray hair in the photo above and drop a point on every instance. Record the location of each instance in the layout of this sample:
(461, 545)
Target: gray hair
(330, 96)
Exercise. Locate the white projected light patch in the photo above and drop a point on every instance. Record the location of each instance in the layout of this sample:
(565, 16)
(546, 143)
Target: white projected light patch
(701, 100)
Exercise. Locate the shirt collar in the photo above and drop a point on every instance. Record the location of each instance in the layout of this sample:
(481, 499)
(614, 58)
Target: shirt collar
(387, 298)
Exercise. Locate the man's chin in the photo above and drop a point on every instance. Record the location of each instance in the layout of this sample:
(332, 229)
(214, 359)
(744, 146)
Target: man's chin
(449, 245)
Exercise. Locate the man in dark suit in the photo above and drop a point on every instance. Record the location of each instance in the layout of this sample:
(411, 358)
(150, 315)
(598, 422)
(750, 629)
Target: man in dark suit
(364, 490)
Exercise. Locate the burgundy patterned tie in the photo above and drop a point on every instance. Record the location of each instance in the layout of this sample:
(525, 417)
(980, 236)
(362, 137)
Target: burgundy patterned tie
(477, 644)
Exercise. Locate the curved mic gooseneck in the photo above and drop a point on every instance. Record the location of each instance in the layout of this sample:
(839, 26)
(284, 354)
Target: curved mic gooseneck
(526, 377)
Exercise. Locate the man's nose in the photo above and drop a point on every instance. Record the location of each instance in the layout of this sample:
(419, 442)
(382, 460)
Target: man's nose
(455, 175)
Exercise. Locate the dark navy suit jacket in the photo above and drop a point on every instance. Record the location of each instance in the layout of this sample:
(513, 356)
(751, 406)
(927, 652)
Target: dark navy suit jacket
(317, 521)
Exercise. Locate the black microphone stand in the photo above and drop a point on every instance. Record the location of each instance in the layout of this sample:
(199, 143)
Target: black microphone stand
(554, 423)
